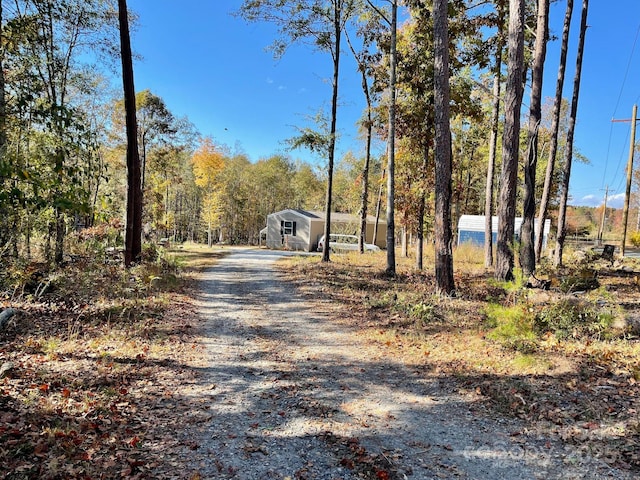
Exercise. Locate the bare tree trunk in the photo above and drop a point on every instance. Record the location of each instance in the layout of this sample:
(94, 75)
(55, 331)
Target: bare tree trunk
(510, 143)
(443, 247)
(167, 206)
(627, 194)
(391, 233)
(57, 98)
(15, 227)
(60, 229)
(4, 167)
(96, 192)
(364, 199)
(468, 191)
(568, 153)
(143, 160)
(555, 127)
(527, 232)
(209, 231)
(365, 180)
(420, 232)
(422, 206)
(27, 238)
(493, 144)
(133, 237)
(378, 206)
(337, 19)
(3, 109)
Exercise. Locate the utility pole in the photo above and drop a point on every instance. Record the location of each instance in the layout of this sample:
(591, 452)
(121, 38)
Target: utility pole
(627, 195)
(604, 214)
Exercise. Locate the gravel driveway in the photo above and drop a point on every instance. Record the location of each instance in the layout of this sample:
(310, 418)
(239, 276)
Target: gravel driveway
(292, 394)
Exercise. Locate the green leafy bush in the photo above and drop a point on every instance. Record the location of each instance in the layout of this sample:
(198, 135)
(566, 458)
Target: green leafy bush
(575, 318)
(423, 312)
(388, 299)
(513, 327)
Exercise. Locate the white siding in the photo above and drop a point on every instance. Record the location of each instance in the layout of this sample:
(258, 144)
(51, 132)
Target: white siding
(475, 223)
(300, 241)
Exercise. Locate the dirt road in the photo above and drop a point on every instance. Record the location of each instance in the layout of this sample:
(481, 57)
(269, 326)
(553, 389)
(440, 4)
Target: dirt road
(292, 394)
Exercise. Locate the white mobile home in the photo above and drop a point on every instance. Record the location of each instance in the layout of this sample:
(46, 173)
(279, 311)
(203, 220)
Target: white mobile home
(295, 229)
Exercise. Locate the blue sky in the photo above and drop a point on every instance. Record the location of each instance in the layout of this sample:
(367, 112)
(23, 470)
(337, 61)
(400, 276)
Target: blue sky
(214, 68)
(608, 91)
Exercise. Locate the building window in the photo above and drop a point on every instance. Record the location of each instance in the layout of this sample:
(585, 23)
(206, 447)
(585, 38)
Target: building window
(288, 227)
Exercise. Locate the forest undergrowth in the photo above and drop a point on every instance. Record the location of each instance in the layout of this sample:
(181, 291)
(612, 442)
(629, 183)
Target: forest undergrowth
(92, 365)
(565, 360)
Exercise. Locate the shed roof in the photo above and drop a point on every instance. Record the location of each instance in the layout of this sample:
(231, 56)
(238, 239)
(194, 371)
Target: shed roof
(475, 223)
(305, 213)
(346, 217)
(296, 211)
(317, 215)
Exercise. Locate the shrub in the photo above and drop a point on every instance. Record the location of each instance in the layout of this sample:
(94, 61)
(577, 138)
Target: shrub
(575, 318)
(581, 280)
(19, 277)
(388, 299)
(423, 312)
(513, 327)
(150, 252)
(635, 239)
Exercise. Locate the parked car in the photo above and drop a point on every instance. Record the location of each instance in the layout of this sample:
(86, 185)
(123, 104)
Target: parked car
(339, 242)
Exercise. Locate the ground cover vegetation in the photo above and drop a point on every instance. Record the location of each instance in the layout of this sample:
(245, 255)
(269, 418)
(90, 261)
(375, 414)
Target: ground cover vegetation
(564, 360)
(93, 367)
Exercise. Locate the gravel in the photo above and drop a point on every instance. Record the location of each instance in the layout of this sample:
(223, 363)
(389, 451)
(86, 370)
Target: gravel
(290, 394)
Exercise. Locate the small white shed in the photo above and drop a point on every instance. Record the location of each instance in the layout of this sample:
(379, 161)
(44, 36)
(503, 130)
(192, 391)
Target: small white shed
(471, 229)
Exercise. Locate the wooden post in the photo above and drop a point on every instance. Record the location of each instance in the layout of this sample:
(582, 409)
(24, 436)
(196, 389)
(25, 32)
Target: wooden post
(604, 215)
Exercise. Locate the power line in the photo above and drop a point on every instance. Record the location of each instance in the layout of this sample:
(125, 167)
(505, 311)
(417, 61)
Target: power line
(615, 110)
(626, 73)
(620, 160)
(606, 162)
